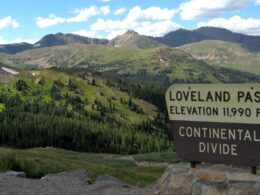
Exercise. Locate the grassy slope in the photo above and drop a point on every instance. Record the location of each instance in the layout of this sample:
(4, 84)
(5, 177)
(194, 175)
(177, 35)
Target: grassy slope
(38, 162)
(100, 92)
(230, 55)
(165, 62)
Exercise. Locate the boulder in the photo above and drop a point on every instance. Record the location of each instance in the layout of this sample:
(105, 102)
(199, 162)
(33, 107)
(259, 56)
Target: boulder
(109, 179)
(16, 174)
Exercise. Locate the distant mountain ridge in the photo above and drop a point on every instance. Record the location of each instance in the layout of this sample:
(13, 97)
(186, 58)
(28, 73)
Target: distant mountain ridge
(182, 36)
(132, 39)
(50, 41)
(67, 39)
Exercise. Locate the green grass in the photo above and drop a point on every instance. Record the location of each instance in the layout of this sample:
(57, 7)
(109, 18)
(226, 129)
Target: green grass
(179, 65)
(100, 92)
(169, 157)
(38, 162)
(2, 107)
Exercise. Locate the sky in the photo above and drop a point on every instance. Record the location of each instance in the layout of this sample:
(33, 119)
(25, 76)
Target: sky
(30, 20)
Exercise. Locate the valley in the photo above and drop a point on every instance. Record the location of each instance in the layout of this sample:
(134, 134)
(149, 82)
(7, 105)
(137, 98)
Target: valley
(91, 103)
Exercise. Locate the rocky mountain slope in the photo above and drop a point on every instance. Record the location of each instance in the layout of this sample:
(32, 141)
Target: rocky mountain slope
(132, 39)
(182, 36)
(225, 54)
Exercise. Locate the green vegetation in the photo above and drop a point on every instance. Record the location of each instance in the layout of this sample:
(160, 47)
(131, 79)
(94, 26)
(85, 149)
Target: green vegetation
(41, 161)
(169, 157)
(160, 66)
(2, 107)
(70, 111)
(225, 54)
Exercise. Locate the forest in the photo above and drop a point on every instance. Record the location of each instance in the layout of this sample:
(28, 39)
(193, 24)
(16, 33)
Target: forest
(54, 113)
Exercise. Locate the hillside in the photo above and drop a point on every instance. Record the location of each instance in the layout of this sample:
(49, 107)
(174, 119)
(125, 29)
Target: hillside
(182, 36)
(161, 66)
(132, 39)
(225, 54)
(43, 106)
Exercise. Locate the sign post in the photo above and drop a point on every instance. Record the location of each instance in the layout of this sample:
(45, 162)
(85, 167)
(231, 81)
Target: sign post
(216, 123)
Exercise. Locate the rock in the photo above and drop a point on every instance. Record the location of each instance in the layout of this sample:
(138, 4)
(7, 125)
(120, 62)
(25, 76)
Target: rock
(244, 177)
(197, 189)
(109, 179)
(79, 175)
(211, 176)
(181, 168)
(179, 184)
(214, 191)
(207, 179)
(249, 191)
(16, 174)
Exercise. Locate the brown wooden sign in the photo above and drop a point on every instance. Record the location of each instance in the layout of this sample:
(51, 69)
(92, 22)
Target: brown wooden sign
(217, 123)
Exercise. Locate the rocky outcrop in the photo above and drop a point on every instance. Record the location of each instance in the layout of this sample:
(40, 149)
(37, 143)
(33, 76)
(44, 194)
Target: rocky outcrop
(180, 179)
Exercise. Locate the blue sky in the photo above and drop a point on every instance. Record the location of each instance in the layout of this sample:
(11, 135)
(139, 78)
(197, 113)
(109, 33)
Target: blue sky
(29, 20)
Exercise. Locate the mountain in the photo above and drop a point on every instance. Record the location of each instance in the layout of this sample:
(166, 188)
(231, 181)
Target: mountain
(132, 39)
(225, 54)
(67, 39)
(50, 41)
(77, 110)
(160, 66)
(181, 37)
(15, 48)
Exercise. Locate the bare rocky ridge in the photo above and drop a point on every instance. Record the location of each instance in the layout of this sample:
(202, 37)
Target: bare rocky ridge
(178, 179)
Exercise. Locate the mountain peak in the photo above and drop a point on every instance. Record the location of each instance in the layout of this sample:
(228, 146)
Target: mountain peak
(131, 32)
(67, 39)
(132, 39)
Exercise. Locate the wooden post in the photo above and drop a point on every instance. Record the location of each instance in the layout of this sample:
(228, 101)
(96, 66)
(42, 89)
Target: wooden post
(193, 164)
(253, 170)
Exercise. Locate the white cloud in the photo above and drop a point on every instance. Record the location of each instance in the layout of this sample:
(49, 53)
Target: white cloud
(52, 20)
(105, 10)
(105, 0)
(2, 40)
(8, 22)
(84, 14)
(212, 8)
(257, 2)
(151, 13)
(153, 21)
(86, 33)
(20, 40)
(249, 26)
(120, 10)
(17, 40)
(81, 15)
(157, 28)
(112, 34)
